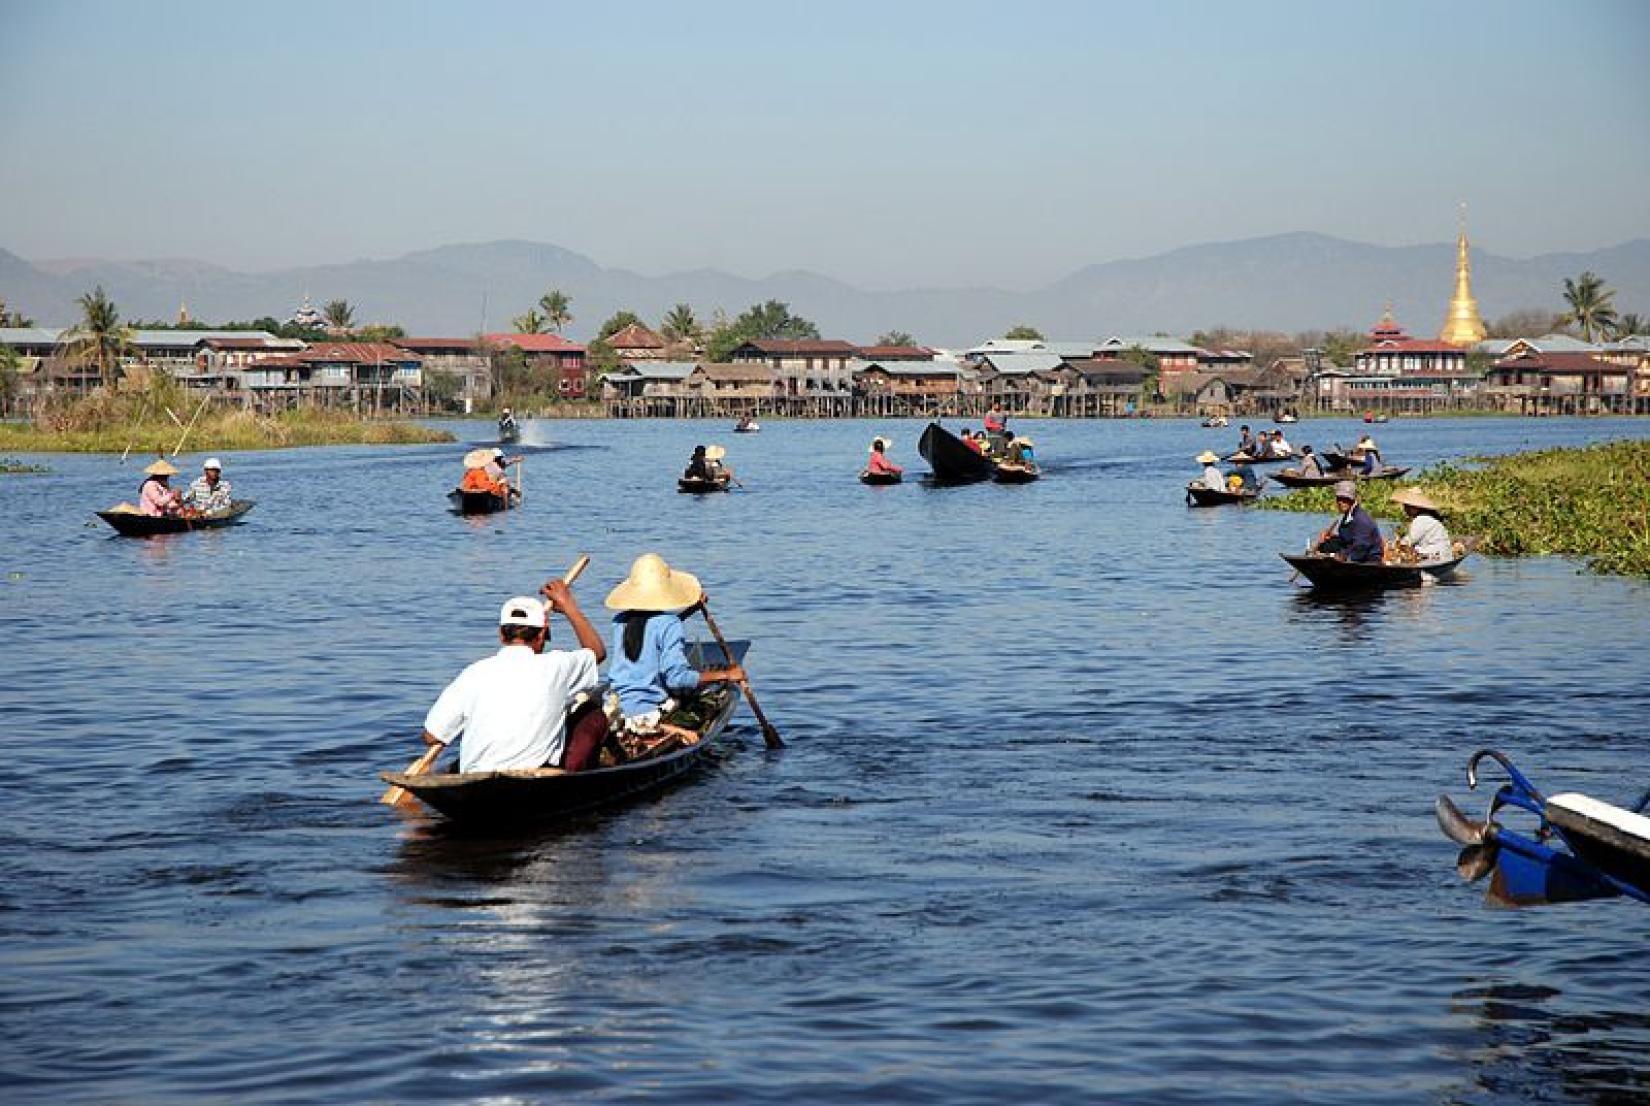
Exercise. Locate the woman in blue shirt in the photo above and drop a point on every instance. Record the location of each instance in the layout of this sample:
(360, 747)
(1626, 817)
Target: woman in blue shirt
(648, 664)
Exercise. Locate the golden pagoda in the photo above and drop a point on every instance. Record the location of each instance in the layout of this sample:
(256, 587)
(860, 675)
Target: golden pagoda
(1462, 326)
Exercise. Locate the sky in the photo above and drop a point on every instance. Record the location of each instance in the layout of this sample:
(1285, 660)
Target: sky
(890, 145)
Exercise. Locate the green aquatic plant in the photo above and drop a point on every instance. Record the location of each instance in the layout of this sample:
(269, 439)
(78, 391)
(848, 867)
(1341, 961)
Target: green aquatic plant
(11, 467)
(1591, 503)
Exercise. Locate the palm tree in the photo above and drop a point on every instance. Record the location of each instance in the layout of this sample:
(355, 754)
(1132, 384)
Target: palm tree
(558, 309)
(1590, 306)
(339, 314)
(530, 323)
(99, 338)
(13, 318)
(680, 325)
(1630, 324)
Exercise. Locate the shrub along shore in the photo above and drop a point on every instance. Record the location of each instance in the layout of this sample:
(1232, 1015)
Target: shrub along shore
(158, 417)
(1591, 503)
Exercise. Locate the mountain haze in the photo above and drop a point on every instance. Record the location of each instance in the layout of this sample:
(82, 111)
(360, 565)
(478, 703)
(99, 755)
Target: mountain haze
(1285, 282)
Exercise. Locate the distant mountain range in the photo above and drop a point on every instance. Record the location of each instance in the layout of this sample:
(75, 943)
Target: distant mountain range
(1284, 282)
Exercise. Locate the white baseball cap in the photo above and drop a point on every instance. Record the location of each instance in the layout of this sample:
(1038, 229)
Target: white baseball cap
(213, 463)
(523, 610)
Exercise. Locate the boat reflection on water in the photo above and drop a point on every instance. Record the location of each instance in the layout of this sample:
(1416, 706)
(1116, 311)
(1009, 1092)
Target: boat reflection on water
(1358, 611)
(1535, 1043)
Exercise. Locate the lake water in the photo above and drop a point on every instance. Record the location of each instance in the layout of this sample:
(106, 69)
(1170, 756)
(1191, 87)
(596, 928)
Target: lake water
(1083, 799)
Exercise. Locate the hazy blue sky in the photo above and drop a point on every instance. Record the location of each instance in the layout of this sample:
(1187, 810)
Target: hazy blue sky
(888, 144)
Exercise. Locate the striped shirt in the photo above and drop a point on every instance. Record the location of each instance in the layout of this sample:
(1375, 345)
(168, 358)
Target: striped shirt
(207, 499)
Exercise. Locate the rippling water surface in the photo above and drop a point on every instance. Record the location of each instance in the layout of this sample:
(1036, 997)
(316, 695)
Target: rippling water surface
(1082, 800)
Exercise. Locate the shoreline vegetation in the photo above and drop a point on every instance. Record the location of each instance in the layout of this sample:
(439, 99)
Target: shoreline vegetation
(161, 418)
(1591, 503)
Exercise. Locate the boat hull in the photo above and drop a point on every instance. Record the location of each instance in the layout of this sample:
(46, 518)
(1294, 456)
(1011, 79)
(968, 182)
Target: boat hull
(1199, 496)
(1292, 480)
(547, 794)
(880, 479)
(1012, 474)
(952, 462)
(693, 485)
(130, 525)
(1328, 574)
(477, 503)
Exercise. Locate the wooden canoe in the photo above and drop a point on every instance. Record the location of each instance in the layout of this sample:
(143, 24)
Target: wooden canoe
(1010, 473)
(509, 435)
(1289, 478)
(952, 461)
(698, 485)
(1328, 574)
(521, 796)
(133, 524)
(477, 503)
(880, 479)
(1199, 496)
(1242, 458)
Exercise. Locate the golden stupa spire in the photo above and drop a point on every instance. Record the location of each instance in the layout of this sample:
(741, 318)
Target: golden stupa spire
(1462, 326)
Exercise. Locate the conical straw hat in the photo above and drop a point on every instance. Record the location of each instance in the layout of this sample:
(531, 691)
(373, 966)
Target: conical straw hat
(161, 467)
(715, 453)
(478, 458)
(1414, 497)
(654, 586)
(1207, 457)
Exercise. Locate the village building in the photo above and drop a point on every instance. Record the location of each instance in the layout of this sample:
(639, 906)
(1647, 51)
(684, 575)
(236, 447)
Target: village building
(901, 385)
(1023, 382)
(462, 362)
(637, 343)
(1172, 354)
(363, 376)
(1568, 383)
(812, 373)
(1098, 387)
(737, 388)
(565, 361)
(647, 389)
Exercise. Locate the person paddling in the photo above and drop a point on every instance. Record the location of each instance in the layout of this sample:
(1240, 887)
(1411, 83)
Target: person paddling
(509, 710)
(157, 497)
(1353, 536)
(878, 464)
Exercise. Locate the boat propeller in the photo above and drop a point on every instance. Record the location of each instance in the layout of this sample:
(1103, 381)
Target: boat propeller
(1479, 839)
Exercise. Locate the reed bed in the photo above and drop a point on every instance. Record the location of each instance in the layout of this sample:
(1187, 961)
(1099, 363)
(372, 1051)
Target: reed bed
(1591, 503)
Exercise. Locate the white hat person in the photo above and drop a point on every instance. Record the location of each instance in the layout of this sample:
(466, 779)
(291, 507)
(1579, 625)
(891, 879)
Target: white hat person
(212, 464)
(654, 586)
(523, 610)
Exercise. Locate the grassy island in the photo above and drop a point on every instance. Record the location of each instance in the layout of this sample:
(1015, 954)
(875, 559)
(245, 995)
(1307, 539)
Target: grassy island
(1591, 503)
(157, 417)
(12, 467)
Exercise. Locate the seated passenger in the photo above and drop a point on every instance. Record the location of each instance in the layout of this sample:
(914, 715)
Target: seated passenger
(879, 464)
(209, 493)
(1309, 465)
(650, 666)
(482, 473)
(1426, 536)
(157, 497)
(1280, 447)
(713, 462)
(1353, 536)
(698, 466)
(1213, 478)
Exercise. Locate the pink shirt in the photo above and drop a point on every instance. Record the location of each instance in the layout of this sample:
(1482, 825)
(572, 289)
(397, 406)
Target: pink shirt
(156, 498)
(881, 464)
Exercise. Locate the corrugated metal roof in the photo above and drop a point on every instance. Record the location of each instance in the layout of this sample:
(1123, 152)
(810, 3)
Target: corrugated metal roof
(1018, 364)
(1154, 343)
(30, 335)
(659, 370)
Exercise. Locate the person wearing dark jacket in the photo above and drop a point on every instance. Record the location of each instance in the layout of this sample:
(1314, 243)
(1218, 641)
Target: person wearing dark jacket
(1353, 536)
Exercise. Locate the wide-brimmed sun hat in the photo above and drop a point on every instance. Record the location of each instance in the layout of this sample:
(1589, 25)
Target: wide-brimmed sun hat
(654, 586)
(478, 458)
(1415, 497)
(161, 467)
(715, 453)
(1207, 457)
(1023, 440)
(1346, 489)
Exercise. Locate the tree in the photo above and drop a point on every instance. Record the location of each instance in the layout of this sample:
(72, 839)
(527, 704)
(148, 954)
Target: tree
(1153, 367)
(1628, 325)
(679, 325)
(11, 367)
(339, 314)
(1023, 333)
(9, 317)
(557, 308)
(1590, 306)
(1527, 322)
(896, 338)
(99, 338)
(770, 320)
(618, 322)
(530, 323)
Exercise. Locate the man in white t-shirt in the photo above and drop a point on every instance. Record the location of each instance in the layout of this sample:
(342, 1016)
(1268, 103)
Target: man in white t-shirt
(511, 707)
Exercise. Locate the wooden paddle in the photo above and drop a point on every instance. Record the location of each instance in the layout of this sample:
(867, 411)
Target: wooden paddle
(770, 736)
(399, 796)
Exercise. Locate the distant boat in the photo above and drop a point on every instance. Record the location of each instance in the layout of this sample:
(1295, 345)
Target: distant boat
(1290, 478)
(509, 433)
(953, 462)
(746, 426)
(1199, 496)
(1287, 417)
(1215, 422)
(1371, 416)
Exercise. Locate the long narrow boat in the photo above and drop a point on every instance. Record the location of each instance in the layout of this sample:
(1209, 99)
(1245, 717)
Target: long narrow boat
(1289, 478)
(1199, 496)
(477, 503)
(132, 523)
(528, 795)
(951, 460)
(880, 479)
(509, 434)
(1608, 846)
(1242, 458)
(698, 485)
(1328, 574)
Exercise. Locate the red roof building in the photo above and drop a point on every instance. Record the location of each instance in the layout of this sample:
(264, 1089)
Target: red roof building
(550, 352)
(1391, 352)
(636, 343)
